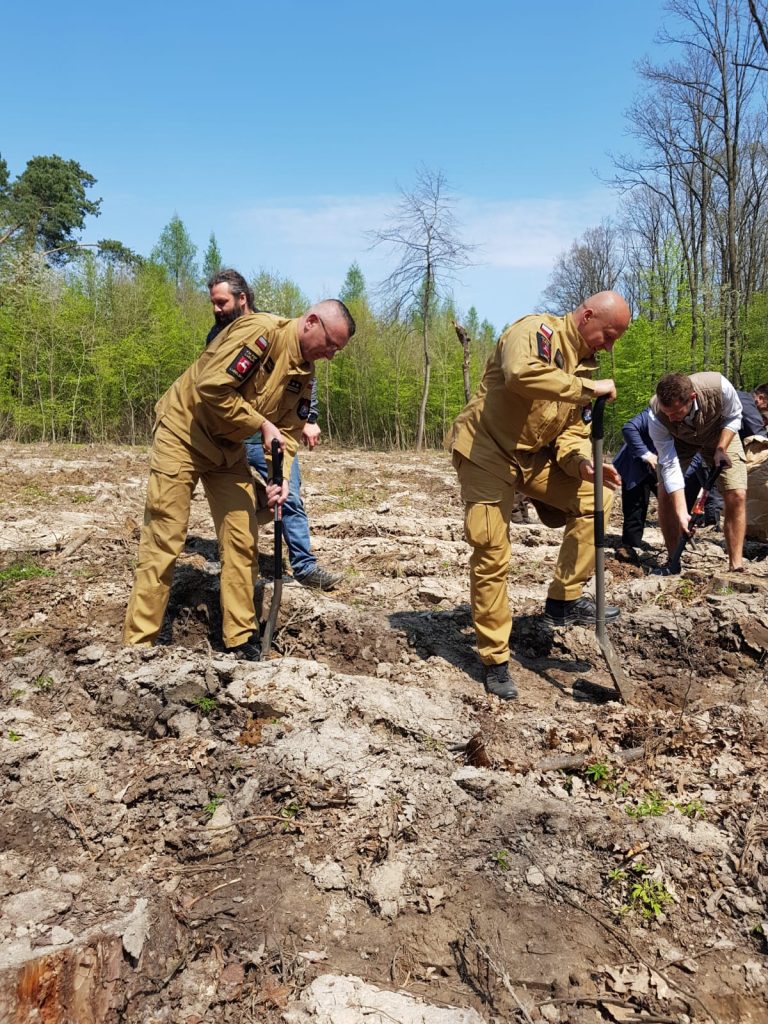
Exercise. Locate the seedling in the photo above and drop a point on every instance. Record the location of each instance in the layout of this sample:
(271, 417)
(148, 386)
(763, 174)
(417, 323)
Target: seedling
(43, 683)
(617, 875)
(206, 705)
(213, 803)
(599, 773)
(649, 897)
(16, 696)
(693, 809)
(14, 737)
(289, 813)
(80, 498)
(653, 806)
(501, 857)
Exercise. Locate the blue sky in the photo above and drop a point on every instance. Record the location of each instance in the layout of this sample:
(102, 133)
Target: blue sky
(287, 128)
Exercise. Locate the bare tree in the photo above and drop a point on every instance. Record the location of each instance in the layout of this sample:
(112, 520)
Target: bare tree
(759, 18)
(696, 126)
(424, 237)
(592, 264)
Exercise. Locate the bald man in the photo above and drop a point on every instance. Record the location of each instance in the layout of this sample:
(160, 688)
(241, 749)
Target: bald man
(527, 429)
(255, 375)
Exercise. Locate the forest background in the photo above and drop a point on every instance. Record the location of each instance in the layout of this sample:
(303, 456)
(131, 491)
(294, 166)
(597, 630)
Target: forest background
(92, 335)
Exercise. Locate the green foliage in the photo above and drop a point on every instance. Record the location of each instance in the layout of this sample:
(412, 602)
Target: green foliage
(653, 806)
(46, 205)
(213, 803)
(501, 859)
(212, 262)
(175, 252)
(649, 897)
(43, 683)
(206, 705)
(598, 772)
(22, 570)
(14, 737)
(692, 809)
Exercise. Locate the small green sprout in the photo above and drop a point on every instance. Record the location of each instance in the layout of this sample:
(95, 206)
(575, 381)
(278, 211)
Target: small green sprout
(213, 803)
(653, 806)
(14, 737)
(207, 705)
(501, 857)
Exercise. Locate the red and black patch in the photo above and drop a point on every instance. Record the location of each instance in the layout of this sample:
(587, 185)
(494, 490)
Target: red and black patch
(559, 361)
(243, 365)
(294, 385)
(302, 409)
(545, 349)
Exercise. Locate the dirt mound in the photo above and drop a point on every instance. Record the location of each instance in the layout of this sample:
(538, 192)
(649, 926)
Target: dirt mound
(354, 823)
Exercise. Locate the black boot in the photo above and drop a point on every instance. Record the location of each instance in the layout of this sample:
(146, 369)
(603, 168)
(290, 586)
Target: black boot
(499, 682)
(581, 611)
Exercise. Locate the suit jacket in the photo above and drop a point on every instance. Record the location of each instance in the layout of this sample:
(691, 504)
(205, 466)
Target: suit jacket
(629, 459)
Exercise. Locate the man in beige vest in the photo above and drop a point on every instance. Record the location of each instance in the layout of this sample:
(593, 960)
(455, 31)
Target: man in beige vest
(699, 413)
(256, 375)
(527, 429)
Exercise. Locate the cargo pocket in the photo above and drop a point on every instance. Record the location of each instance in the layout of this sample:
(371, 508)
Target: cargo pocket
(484, 526)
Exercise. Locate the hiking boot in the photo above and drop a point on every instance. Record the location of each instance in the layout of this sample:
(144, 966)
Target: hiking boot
(627, 554)
(249, 651)
(320, 579)
(499, 682)
(580, 611)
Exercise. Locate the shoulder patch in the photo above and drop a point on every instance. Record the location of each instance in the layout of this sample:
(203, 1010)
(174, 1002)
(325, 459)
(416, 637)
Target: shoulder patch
(546, 331)
(545, 349)
(302, 409)
(559, 361)
(294, 385)
(262, 344)
(243, 365)
(586, 413)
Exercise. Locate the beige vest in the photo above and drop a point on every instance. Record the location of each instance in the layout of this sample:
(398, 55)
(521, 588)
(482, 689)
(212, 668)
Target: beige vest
(703, 432)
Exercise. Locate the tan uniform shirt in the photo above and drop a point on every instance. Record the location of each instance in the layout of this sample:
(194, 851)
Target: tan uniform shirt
(251, 372)
(532, 395)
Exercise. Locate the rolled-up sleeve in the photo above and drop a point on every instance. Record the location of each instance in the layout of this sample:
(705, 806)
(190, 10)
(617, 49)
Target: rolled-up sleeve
(669, 463)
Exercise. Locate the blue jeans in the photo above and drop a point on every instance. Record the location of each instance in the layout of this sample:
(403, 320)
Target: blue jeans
(295, 522)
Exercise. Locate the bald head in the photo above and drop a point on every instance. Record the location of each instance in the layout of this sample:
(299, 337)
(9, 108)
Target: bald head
(601, 320)
(325, 329)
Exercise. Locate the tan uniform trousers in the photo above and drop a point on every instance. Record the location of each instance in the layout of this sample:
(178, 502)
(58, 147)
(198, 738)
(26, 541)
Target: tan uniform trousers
(488, 504)
(174, 471)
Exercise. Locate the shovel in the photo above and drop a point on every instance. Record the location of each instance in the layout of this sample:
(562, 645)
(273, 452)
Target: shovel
(672, 568)
(625, 688)
(277, 574)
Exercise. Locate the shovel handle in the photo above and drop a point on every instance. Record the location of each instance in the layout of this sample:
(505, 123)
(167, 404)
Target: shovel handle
(598, 415)
(277, 463)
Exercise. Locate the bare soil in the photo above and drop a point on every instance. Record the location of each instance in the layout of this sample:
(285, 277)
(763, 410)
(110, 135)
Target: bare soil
(189, 838)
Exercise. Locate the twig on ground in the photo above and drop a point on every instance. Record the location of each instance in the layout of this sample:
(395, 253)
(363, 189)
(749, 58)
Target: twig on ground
(73, 812)
(500, 972)
(223, 885)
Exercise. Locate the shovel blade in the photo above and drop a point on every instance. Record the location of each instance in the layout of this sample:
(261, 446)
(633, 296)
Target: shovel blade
(625, 688)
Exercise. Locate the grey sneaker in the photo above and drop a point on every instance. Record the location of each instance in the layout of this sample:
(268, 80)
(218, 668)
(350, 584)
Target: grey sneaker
(499, 682)
(320, 579)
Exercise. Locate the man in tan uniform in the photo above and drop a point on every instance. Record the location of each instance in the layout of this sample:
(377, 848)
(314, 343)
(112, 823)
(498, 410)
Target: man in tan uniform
(527, 429)
(256, 375)
(699, 413)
